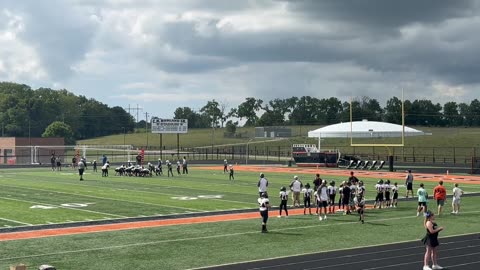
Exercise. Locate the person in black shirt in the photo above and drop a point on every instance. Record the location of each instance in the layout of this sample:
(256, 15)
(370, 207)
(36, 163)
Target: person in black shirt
(431, 241)
(346, 191)
(316, 182)
(230, 176)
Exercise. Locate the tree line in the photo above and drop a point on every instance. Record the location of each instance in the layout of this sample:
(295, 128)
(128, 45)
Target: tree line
(308, 110)
(25, 112)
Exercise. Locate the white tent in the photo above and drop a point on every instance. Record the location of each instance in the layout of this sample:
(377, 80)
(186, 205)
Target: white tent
(364, 129)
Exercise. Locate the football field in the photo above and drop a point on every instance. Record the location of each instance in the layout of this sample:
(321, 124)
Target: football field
(43, 201)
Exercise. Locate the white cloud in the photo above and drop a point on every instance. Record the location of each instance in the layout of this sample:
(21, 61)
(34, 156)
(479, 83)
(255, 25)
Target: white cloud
(191, 51)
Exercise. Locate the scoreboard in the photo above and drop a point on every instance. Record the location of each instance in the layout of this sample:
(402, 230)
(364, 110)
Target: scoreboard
(160, 125)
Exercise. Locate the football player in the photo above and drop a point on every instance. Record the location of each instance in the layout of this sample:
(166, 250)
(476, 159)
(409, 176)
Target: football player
(283, 201)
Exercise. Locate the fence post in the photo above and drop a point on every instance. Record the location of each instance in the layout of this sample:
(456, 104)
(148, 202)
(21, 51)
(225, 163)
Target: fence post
(279, 153)
(233, 152)
(433, 154)
(413, 153)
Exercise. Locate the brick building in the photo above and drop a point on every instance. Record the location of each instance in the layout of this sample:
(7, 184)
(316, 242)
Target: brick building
(19, 150)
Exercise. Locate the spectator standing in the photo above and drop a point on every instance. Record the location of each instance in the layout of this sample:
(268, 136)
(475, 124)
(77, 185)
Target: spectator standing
(457, 193)
(422, 200)
(431, 241)
(262, 185)
(409, 183)
(81, 169)
(185, 165)
(296, 187)
(440, 195)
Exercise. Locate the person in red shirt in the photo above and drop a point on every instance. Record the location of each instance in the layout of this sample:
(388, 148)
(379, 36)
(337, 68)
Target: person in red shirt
(440, 195)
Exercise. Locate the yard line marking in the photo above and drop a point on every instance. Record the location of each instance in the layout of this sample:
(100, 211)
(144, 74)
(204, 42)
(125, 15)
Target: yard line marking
(111, 199)
(15, 221)
(60, 206)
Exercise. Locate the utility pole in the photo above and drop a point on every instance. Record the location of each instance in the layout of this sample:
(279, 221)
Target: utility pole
(146, 125)
(137, 110)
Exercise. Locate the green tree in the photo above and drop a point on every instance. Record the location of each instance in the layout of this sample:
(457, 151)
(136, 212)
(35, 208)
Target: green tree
(451, 115)
(393, 111)
(248, 109)
(60, 129)
(213, 112)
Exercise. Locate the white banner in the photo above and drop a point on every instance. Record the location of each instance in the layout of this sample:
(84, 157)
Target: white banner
(169, 125)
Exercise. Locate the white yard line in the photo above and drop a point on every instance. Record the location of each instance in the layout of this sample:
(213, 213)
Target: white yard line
(15, 221)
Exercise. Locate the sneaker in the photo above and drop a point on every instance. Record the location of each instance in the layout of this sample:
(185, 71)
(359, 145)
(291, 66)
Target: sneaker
(363, 222)
(320, 218)
(456, 212)
(453, 213)
(426, 267)
(325, 217)
(418, 214)
(279, 216)
(436, 267)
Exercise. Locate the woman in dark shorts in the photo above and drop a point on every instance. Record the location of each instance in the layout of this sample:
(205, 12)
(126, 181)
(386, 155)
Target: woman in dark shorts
(431, 241)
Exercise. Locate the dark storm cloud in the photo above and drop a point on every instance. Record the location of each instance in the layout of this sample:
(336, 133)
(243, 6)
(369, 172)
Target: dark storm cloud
(380, 14)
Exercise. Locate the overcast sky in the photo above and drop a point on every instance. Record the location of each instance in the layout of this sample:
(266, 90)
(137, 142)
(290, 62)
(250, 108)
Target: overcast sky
(164, 54)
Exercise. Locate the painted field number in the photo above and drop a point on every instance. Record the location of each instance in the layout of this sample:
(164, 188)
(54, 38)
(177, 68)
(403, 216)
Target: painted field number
(68, 205)
(187, 198)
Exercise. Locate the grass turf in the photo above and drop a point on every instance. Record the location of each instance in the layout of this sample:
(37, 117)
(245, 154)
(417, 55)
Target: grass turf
(189, 246)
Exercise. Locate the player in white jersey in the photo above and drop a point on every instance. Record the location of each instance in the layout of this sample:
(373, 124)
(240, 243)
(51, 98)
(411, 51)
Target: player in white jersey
(283, 201)
(457, 193)
(332, 193)
(379, 198)
(360, 206)
(395, 195)
(264, 206)
(386, 188)
(322, 200)
(307, 195)
(262, 184)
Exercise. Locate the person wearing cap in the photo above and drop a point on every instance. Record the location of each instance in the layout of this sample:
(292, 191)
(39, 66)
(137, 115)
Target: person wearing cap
(264, 206)
(296, 186)
(262, 184)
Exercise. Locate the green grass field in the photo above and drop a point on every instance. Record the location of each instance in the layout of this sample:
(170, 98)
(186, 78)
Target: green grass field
(40, 196)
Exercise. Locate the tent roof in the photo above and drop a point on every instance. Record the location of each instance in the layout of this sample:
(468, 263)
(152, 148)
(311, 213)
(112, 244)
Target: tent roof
(364, 129)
